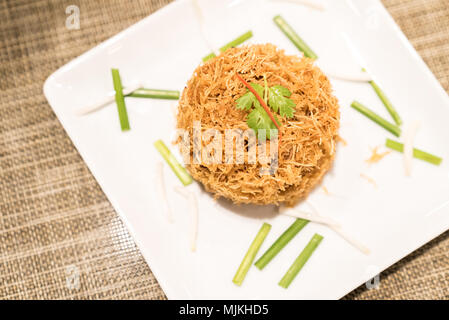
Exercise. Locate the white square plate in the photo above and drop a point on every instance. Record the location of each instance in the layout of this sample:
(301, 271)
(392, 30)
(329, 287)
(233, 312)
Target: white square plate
(162, 50)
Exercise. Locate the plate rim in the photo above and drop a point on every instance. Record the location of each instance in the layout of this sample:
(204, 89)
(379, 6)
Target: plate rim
(161, 279)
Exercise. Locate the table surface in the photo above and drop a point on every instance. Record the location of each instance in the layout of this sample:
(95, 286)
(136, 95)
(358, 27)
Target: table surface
(60, 238)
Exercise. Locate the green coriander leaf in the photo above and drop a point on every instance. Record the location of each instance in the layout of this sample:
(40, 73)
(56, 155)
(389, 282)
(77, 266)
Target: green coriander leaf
(282, 90)
(259, 119)
(246, 101)
(279, 100)
(287, 110)
(258, 88)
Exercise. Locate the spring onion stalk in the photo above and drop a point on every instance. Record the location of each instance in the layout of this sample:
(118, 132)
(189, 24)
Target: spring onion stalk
(300, 261)
(293, 36)
(177, 168)
(394, 114)
(418, 154)
(251, 254)
(281, 242)
(234, 43)
(383, 97)
(376, 118)
(154, 94)
(120, 100)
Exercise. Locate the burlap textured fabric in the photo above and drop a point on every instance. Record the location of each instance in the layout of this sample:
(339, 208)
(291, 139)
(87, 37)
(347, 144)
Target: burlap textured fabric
(55, 222)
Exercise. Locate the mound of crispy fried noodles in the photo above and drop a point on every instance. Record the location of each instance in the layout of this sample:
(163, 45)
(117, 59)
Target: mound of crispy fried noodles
(308, 140)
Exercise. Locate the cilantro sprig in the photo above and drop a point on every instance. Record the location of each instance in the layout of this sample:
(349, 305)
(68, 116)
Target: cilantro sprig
(259, 119)
(278, 100)
(246, 101)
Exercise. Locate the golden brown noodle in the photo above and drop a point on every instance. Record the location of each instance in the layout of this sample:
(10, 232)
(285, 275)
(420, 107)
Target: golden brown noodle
(308, 140)
(377, 156)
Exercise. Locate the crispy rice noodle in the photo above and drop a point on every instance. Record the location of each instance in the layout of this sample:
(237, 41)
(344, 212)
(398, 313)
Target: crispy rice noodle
(308, 141)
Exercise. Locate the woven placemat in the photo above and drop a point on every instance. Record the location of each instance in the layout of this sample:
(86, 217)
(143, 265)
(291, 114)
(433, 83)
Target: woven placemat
(59, 236)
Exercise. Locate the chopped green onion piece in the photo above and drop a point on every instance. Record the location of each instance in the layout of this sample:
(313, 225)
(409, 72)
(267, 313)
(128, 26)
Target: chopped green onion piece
(300, 261)
(238, 41)
(383, 97)
(394, 114)
(281, 242)
(154, 94)
(418, 154)
(251, 254)
(209, 56)
(234, 43)
(293, 36)
(177, 168)
(376, 118)
(120, 100)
